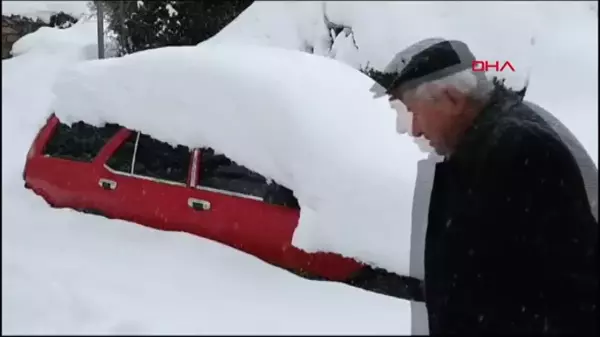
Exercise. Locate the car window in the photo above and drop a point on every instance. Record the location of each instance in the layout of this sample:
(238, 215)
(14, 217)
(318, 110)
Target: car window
(122, 158)
(221, 173)
(152, 158)
(80, 141)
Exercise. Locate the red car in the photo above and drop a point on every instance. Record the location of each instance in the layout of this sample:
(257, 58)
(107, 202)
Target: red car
(124, 174)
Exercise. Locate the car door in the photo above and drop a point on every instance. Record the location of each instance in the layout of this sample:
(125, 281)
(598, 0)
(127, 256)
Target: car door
(63, 171)
(259, 217)
(145, 181)
(239, 215)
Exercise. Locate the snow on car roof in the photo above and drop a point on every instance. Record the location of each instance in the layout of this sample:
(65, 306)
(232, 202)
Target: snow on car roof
(308, 122)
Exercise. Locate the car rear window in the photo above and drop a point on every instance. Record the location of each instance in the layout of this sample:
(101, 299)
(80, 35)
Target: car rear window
(151, 158)
(79, 141)
(221, 173)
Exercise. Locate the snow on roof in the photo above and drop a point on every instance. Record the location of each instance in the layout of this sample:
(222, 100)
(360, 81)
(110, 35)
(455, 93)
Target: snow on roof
(308, 122)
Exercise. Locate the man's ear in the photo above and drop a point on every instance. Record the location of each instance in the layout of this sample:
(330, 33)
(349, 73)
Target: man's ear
(456, 98)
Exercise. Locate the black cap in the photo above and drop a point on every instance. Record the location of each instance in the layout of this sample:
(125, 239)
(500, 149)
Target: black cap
(425, 61)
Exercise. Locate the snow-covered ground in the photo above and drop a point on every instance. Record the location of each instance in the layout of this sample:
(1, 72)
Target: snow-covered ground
(66, 272)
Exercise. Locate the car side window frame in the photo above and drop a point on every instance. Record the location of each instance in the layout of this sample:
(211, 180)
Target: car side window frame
(267, 198)
(194, 168)
(198, 177)
(130, 174)
(229, 193)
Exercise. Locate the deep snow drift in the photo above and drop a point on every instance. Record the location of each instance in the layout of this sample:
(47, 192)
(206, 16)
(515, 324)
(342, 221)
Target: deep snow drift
(556, 42)
(308, 122)
(69, 273)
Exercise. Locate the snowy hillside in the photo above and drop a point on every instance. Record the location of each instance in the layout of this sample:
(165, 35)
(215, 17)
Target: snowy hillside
(556, 43)
(64, 272)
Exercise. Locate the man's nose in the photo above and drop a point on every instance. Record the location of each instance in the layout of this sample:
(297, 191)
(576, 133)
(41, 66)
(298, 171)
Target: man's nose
(416, 130)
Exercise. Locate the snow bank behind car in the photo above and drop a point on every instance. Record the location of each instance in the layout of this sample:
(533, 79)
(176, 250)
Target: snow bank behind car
(307, 122)
(43, 10)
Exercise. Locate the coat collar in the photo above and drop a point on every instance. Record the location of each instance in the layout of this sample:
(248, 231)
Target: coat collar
(499, 103)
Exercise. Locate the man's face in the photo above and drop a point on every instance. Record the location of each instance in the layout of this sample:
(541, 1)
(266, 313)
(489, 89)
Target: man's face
(434, 116)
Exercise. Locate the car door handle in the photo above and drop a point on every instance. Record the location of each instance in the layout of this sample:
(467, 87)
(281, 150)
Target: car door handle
(107, 184)
(198, 205)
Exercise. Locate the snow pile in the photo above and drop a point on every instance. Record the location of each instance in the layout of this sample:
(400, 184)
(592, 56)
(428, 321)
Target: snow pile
(556, 43)
(50, 40)
(308, 122)
(43, 10)
(65, 272)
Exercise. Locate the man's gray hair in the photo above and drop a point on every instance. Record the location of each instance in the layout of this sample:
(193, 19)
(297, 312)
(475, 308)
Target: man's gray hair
(478, 88)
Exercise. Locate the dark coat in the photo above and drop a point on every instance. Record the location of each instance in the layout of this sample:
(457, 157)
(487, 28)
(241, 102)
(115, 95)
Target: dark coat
(588, 168)
(511, 242)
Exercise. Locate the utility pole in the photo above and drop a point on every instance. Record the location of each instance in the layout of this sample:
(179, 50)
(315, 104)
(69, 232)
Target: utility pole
(100, 18)
(122, 27)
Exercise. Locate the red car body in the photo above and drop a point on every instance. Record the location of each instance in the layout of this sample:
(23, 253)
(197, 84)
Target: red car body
(244, 222)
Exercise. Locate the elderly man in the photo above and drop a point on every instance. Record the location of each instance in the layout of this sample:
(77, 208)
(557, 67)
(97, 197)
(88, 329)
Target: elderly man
(511, 243)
